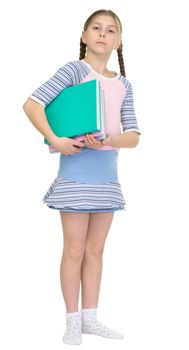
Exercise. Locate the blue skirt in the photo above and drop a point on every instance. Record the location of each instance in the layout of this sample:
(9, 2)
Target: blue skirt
(86, 182)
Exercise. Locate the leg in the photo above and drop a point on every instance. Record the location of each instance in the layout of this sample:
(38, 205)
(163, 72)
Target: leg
(91, 268)
(75, 230)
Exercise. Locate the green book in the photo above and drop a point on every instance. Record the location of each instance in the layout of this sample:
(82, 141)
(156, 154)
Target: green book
(77, 110)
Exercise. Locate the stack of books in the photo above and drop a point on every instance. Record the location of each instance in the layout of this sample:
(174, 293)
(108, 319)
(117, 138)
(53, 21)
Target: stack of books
(78, 110)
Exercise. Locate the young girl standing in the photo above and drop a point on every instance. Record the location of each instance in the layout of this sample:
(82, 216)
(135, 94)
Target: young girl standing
(86, 190)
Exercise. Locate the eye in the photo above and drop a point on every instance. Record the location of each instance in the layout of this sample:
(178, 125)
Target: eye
(111, 31)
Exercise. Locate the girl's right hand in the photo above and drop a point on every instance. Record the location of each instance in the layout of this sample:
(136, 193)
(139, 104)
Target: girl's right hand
(66, 145)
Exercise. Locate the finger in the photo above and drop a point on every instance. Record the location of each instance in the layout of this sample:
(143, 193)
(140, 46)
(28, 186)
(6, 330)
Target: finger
(94, 140)
(86, 139)
(78, 143)
(87, 144)
(89, 139)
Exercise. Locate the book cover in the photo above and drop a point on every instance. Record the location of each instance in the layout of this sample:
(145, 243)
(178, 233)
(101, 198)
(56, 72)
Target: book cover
(77, 110)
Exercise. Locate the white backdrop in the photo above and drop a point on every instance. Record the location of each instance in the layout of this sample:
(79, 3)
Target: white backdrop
(144, 290)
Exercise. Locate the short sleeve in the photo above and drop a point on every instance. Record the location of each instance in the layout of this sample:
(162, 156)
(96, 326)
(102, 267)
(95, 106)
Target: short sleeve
(128, 117)
(62, 79)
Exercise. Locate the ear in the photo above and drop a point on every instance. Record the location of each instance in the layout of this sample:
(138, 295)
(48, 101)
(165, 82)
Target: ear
(117, 45)
(83, 37)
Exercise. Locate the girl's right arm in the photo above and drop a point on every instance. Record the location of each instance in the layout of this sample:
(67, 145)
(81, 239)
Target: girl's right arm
(36, 115)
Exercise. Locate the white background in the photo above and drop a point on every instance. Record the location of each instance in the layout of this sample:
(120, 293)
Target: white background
(144, 290)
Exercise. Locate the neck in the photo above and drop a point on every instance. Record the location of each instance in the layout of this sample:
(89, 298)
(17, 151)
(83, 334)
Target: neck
(97, 63)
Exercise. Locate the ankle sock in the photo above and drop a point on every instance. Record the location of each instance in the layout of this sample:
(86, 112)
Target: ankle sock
(90, 325)
(73, 335)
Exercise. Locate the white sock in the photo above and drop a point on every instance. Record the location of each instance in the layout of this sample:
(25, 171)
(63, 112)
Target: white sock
(90, 325)
(73, 333)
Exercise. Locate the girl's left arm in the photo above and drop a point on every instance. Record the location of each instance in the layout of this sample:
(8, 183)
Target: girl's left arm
(127, 139)
(131, 132)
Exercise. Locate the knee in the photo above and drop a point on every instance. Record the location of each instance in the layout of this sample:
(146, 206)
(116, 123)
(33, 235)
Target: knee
(74, 251)
(94, 249)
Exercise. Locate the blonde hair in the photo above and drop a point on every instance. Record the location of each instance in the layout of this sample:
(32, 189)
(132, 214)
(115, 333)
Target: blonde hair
(119, 27)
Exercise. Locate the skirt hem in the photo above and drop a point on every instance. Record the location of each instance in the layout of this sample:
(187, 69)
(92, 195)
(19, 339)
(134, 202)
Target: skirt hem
(74, 196)
(86, 210)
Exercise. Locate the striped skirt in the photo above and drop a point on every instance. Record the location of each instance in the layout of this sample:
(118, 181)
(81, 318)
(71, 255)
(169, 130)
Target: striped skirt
(86, 182)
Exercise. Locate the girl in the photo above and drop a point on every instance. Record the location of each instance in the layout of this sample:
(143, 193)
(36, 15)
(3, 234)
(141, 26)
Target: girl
(86, 190)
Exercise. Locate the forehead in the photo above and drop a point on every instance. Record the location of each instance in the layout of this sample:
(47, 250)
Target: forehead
(105, 20)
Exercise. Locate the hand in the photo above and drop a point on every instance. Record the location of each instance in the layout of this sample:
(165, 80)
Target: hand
(66, 145)
(92, 142)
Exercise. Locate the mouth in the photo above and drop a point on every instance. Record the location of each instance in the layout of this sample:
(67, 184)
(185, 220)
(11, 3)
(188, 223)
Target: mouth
(100, 42)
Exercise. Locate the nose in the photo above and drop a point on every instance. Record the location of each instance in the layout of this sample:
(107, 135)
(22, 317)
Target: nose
(102, 35)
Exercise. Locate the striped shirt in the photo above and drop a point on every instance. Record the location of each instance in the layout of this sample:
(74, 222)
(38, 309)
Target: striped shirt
(117, 90)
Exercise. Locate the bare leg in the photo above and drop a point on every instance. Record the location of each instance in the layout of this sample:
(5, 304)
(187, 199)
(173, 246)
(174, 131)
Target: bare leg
(91, 268)
(75, 230)
(91, 271)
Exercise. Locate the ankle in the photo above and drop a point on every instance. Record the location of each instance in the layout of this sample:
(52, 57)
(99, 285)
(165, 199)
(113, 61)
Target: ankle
(72, 313)
(90, 312)
(73, 333)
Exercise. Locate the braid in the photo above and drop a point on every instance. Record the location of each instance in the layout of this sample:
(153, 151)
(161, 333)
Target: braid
(120, 60)
(82, 50)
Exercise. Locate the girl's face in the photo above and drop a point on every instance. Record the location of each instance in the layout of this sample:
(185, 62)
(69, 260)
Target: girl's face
(102, 34)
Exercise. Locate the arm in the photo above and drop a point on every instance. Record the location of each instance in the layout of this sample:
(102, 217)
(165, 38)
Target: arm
(131, 132)
(127, 139)
(36, 115)
(43, 95)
